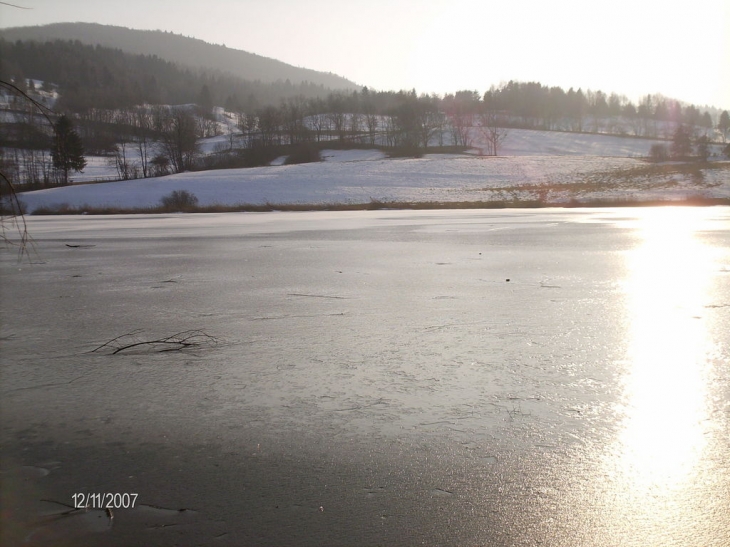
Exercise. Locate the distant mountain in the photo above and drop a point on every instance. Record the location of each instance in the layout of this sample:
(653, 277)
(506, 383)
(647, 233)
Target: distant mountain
(93, 76)
(181, 50)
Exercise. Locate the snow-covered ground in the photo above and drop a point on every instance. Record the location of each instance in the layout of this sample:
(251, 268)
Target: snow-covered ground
(525, 142)
(532, 164)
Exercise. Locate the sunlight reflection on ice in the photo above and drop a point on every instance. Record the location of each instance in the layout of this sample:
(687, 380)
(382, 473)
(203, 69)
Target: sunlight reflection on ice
(657, 463)
(657, 457)
(666, 386)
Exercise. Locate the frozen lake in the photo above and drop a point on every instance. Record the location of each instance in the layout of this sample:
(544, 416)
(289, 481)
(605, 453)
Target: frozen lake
(505, 377)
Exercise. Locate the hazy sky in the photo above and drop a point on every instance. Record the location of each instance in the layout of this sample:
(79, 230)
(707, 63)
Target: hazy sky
(633, 47)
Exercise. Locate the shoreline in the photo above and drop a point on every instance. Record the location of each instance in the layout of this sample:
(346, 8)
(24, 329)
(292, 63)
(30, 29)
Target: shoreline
(377, 205)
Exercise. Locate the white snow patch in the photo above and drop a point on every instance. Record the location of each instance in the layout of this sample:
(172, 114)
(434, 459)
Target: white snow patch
(432, 178)
(531, 158)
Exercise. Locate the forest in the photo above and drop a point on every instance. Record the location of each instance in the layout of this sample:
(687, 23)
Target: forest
(140, 106)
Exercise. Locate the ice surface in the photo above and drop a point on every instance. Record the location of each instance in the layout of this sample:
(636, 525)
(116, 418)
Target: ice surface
(377, 379)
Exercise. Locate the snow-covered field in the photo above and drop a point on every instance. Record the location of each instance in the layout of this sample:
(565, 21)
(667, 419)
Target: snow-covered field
(532, 165)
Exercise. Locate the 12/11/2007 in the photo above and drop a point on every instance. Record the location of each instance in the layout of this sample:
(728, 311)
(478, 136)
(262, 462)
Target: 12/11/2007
(104, 500)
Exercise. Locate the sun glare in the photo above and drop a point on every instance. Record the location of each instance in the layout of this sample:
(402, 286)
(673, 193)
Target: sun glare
(666, 379)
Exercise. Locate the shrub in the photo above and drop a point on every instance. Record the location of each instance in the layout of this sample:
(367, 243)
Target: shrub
(303, 153)
(179, 201)
(405, 151)
(259, 154)
(658, 153)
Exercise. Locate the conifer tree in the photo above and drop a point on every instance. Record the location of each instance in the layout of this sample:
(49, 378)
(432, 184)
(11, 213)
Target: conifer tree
(724, 125)
(67, 151)
(681, 143)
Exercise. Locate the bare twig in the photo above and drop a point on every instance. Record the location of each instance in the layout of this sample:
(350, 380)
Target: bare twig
(44, 110)
(316, 295)
(13, 5)
(14, 217)
(114, 340)
(16, 209)
(176, 342)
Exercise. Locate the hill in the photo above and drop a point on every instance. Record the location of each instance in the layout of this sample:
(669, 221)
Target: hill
(180, 50)
(348, 177)
(89, 76)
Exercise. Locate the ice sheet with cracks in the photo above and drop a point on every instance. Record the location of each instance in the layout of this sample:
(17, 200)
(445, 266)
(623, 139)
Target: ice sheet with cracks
(480, 377)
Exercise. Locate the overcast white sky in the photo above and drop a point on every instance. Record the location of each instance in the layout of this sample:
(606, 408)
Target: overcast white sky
(633, 47)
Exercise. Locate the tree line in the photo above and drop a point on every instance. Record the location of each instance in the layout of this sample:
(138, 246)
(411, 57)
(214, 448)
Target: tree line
(95, 77)
(155, 140)
(113, 100)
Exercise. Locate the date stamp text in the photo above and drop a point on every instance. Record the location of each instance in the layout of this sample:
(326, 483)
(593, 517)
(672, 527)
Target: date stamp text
(105, 500)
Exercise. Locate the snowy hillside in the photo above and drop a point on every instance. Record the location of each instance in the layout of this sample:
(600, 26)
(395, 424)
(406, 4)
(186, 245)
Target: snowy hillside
(525, 142)
(359, 176)
(550, 166)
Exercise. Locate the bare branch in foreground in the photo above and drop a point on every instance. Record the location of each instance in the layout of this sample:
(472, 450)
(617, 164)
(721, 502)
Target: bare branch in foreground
(11, 216)
(11, 209)
(13, 5)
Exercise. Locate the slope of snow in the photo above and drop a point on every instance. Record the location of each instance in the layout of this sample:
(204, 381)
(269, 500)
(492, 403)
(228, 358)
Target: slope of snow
(532, 164)
(432, 178)
(525, 142)
(519, 142)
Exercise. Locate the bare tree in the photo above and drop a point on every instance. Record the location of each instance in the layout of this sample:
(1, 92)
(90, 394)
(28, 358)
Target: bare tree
(429, 120)
(336, 115)
(723, 126)
(492, 130)
(206, 127)
(142, 129)
(268, 126)
(372, 120)
(318, 121)
(461, 124)
(292, 119)
(251, 124)
(460, 110)
(355, 124)
(232, 138)
(391, 131)
(316, 118)
(179, 139)
(120, 162)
